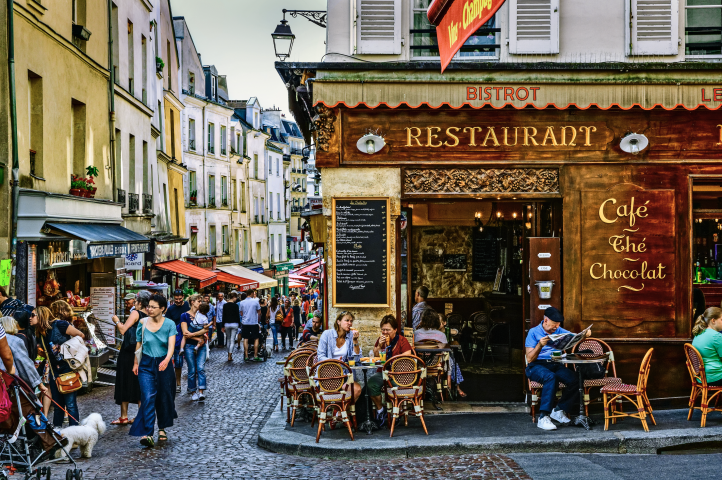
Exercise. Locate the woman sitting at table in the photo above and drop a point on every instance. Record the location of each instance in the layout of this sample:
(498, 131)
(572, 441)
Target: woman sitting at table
(394, 345)
(708, 341)
(341, 343)
(430, 328)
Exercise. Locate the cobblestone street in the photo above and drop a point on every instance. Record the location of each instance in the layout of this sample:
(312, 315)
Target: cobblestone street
(218, 439)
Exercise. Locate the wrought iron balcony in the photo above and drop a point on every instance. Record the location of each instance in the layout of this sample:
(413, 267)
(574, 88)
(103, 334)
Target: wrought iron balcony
(133, 202)
(147, 203)
(192, 144)
(121, 196)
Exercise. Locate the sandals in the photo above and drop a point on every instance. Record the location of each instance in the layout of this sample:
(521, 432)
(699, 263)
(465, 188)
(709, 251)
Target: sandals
(121, 421)
(147, 442)
(162, 437)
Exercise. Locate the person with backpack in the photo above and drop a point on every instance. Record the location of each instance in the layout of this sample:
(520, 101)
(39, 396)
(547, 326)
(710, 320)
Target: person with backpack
(52, 334)
(287, 325)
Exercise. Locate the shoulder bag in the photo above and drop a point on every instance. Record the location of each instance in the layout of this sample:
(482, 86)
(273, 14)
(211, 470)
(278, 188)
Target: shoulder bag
(139, 350)
(67, 382)
(6, 404)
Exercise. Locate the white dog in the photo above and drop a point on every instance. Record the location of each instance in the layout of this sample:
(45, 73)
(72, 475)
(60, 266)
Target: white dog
(84, 436)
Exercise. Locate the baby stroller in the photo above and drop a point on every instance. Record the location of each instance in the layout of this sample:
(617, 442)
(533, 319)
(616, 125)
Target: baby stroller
(263, 352)
(26, 437)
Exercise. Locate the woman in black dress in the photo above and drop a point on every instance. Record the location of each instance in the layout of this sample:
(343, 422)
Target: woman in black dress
(297, 327)
(127, 388)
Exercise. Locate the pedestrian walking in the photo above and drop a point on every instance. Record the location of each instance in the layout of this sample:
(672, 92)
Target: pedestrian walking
(195, 357)
(275, 317)
(250, 310)
(52, 334)
(156, 339)
(26, 325)
(297, 325)
(287, 325)
(179, 307)
(211, 320)
(232, 321)
(221, 340)
(127, 388)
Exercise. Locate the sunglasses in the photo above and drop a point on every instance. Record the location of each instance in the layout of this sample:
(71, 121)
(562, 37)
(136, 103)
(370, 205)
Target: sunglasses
(33, 315)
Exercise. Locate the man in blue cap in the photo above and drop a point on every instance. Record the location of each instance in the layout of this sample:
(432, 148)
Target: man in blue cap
(542, 369)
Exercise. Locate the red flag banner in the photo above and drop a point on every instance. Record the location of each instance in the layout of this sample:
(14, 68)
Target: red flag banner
(456, 21)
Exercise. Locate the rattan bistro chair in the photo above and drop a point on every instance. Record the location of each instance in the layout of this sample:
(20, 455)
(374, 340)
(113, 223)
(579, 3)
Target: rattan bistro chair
(695, 366)
(637, 394)
(298, 385)
(535, 391)
(285, 380)
(598, 347)
(329, 378)
(405, 379)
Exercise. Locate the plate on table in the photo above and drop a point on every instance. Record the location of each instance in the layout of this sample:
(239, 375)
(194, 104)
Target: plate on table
(371, 360)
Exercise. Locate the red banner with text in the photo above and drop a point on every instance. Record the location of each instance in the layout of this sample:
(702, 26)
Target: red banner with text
(461, 19)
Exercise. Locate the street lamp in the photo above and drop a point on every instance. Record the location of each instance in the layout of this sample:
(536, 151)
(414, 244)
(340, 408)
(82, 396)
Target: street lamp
(283, 39)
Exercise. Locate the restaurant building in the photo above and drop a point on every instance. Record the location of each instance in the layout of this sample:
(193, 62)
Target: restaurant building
(586, 155)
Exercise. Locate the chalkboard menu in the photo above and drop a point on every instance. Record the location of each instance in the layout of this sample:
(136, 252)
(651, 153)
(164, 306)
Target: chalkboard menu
(485, 255)
(360, 252)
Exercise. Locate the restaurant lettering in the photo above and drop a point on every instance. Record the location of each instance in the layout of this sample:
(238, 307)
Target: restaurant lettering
(502, 93)
(630, 216)
(494, 136)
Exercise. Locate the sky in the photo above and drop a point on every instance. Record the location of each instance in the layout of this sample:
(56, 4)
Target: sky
(235, 36)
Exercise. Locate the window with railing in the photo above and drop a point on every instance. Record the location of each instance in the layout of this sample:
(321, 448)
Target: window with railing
(121, 196)
(191, 134)
(211, 190)
(133, 202)
(212, 240)
(147, 203)
(703, 28)
(224, 239)
(224, 191)
(424, 44)
(223, 140)
(211, 138)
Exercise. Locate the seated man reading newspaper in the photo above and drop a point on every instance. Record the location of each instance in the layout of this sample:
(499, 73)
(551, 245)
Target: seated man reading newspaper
(541, 342)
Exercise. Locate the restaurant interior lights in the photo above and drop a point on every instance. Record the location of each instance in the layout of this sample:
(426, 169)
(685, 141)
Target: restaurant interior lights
(479, 223)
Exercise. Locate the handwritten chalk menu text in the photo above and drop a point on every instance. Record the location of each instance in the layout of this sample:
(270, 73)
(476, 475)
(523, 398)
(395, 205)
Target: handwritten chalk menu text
(360, 235)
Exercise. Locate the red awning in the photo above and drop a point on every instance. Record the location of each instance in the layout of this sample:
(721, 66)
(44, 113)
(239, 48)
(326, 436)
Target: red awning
(295, 285)
(243, 283)
(204, 277)
(300, 278)
(194, 229)
(308, 268)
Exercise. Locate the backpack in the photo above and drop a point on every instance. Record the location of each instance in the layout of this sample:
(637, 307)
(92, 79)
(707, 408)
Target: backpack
(288, 318)
(592, 371)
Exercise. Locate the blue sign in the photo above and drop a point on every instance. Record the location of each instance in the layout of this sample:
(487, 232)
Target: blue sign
(117, 249)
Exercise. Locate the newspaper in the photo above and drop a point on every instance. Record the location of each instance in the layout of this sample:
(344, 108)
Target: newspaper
(566, 341)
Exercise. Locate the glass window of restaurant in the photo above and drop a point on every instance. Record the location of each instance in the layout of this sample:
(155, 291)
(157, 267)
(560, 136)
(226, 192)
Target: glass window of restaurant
(706, 244)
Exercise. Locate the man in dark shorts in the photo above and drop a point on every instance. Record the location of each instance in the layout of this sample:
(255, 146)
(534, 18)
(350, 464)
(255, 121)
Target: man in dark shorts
(174, 312)
(250, 309)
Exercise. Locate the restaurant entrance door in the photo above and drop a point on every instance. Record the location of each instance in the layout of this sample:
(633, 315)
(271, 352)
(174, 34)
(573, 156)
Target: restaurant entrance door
(470, 254)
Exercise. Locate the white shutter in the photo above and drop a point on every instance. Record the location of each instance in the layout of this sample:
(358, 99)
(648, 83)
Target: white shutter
(533, 26)
(654, 27)
(378, 27)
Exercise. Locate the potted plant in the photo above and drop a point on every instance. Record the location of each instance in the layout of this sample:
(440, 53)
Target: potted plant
(92, 172)
(159, 64)
(76, 185)
(194, 197)
(90, 187)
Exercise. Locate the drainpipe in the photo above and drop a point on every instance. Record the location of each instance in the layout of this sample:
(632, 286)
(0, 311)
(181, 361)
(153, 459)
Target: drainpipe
(14, 129)
(111, 98)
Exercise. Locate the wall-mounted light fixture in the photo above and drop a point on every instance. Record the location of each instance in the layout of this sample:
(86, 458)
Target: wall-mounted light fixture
(370, 143)
(479, 223)
(634, 143)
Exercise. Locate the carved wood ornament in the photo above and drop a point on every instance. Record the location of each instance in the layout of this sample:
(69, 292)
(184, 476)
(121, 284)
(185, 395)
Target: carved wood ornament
(324, 126)
(481, 180)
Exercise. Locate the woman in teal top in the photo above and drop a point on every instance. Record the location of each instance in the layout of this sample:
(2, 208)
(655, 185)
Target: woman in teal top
(156, 335)
(708, 341)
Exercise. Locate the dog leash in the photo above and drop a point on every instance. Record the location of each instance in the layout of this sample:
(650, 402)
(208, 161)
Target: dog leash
(61, 408)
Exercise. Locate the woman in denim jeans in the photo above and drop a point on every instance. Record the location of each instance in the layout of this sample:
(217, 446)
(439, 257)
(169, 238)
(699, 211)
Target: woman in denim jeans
(273, 310)
(195, 358)
(56, 332)
(156, 336)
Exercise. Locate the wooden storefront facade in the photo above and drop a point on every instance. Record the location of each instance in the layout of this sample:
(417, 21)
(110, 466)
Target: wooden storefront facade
(626, 221)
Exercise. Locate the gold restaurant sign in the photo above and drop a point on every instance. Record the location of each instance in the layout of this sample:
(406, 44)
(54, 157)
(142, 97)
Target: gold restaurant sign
(497, 136)
(628, 254)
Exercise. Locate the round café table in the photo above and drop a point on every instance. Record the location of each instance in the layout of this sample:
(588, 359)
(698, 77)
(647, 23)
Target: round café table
(368, 425)
(577, 359)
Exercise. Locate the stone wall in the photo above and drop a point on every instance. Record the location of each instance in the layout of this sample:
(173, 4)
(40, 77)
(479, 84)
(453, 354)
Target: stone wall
(441, 284)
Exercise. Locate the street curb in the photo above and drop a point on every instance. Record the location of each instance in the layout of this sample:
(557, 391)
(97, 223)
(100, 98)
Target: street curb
(275, 438)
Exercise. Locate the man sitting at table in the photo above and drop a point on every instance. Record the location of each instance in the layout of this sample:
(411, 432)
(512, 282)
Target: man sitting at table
(395, 345)
(420, 297)
(315, 330)
(543, 370)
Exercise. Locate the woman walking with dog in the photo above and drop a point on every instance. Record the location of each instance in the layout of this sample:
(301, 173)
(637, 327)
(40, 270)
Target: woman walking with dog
(156, 342)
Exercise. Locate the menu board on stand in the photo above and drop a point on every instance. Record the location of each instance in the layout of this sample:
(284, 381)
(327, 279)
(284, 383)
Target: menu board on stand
(102, 299)
(360, 252)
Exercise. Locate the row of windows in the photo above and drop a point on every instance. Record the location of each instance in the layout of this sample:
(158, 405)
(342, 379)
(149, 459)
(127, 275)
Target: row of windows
(235, 145)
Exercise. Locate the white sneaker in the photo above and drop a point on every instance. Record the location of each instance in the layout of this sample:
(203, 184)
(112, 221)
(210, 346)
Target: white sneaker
(201, 397)
(545, 423)
(560, 416)
(195, 396)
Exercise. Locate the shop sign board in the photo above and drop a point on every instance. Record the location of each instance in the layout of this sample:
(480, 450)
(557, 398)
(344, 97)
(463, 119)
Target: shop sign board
(61, 253)
(361, 246)
(117, 249)
(102, 300)
(283, 267)
(628, 261)
(134, 261)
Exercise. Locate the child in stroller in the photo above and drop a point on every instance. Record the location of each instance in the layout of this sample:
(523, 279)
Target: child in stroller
(263, 352)
(27, 439)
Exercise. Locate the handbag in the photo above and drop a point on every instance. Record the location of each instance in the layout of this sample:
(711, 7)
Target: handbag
(66, 382)
(139, 350)
(288, 319)
(279, 315)
(5, 404)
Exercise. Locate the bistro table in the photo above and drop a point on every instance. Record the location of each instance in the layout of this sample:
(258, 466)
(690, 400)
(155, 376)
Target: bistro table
(368, 425)
(576, 359)
(426, 354)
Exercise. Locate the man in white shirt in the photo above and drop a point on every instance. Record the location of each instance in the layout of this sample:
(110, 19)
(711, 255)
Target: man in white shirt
(219, 318)
(250, 309)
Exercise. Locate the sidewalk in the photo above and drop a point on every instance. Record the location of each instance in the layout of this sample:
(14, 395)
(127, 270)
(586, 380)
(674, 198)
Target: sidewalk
(488, 433)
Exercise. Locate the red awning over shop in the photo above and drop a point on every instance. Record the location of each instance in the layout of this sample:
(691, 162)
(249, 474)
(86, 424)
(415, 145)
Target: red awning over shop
(307, 269)
(204, 277)
(243, 283)
(194, 229)
(299, 278)
(295, 285)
